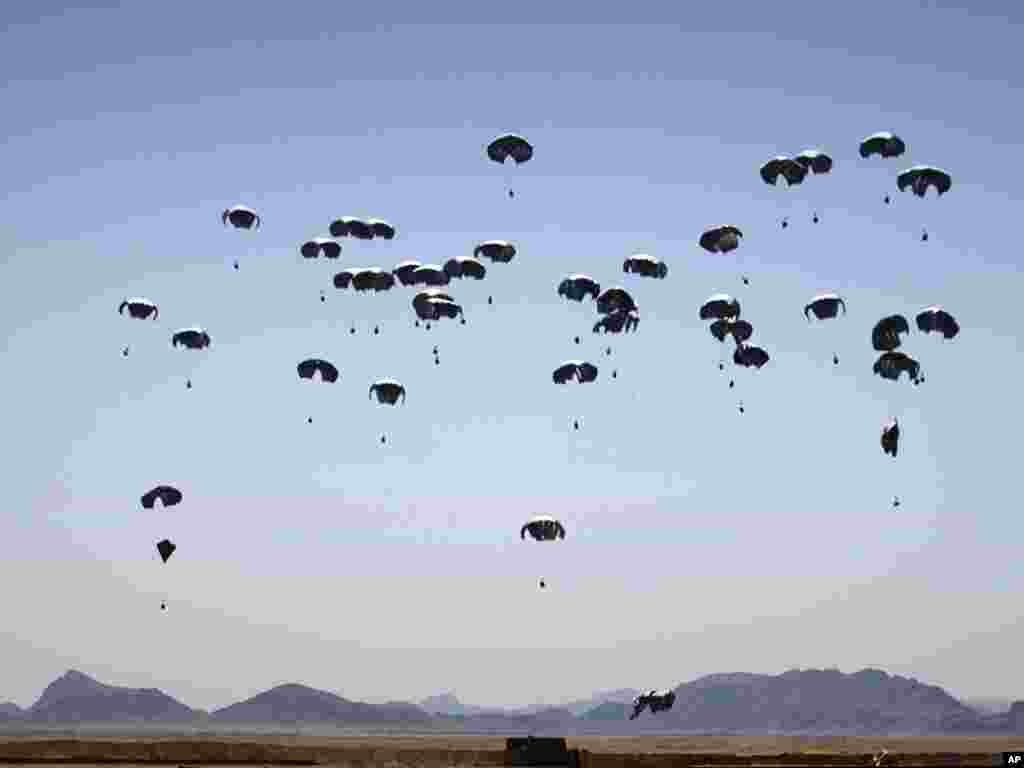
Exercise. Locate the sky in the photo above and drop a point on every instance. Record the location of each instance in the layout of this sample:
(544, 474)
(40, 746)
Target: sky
(699, 539)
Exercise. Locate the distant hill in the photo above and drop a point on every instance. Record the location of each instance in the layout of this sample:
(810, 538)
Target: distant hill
(618, 696)
(869, 701)
(608, 711)
(989, 705)
(76, 697)
(292, 703)
(10, 711)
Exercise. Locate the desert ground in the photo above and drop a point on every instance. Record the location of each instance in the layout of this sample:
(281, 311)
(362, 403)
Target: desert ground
(459, 750)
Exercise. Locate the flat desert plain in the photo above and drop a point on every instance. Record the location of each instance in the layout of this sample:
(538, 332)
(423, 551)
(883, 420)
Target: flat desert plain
(466, 750)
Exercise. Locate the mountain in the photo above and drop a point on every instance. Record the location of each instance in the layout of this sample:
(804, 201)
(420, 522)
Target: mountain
(869, 701)
(10, 711)
(989, 705)
(299, 703)
(608, 711)
(76, 697)
(617, 696)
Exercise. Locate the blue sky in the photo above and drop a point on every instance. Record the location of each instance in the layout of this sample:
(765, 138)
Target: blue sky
(700, 540)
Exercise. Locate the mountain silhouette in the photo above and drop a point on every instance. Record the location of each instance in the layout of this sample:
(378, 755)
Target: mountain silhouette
(798, 701)
(76, 697)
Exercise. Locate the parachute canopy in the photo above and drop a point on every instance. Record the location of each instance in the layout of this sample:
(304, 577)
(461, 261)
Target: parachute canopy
(579, 370)
(884, 144)
(936, 319)
(815, 161)
(891, 364)
(241, 217)
(168, 495)
(192, 338)
(543, 528)
(885, 336)
(510, 145)
(740, 330)
(496, 250)
(576, 287)
(786, 167)
(139, 308)
(721, 239)
(825, 306)
(307, 368)
(720, 306)
(749, 356)
(646, 266)
(388, 391)
(465, 266)
(615, 299)
(320, 245)
(920, 177)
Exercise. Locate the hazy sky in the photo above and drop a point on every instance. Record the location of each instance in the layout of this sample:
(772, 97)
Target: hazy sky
(699, 540)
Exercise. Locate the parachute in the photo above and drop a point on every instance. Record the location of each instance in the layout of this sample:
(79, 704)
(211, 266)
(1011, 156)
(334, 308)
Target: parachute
(431, 275)
(362, 280)
(348, 226)
(721, 239)
(646, 266)
(740, 330)
(405, 271)
(920, 177)
(191, 338)
(309, 367)
(167, 495)
(786, 167)
(891, 364)
(938, 320)
(241, 217)
(657, 701)
(311, 249)
(543, 528)
(825, 306)
(381, 229)
(508, 146)
(139, 308)
(749, 356)
(465, 266)
(388, 391)
(576, 287)
(720, 306)
(883, 144)
(498, 251)
(885, 336)
(890, 438)
(579, 370)
(815, 161)
(615, 299)
(165, 548)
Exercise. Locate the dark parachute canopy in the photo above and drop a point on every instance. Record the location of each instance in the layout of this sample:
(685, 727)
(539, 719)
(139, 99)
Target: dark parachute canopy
(825, 306)
(510, 145)
(883, 144)
(786, 167)
(645, 266)
(617, 321)
(192, 338)
(891, 364)
(465, 266)
(241, 217)
(657, 701)
(139, 308)
(381, 229)
(347, 226)
(430, 275)
(405, 271)
(320, 245)
(750, 356)
(885, 336)
(740, 330)
(168, 495)
(543, 528)
(313, 365)
(166, 549)
(614, 299)
(936, 319)
(720, 306)
(891, 438)
(372, 279)
(576, 287)
(814, 160)
(496, 250)
(388, 391)
(421, 302)
(583, 372)
(920, 177)
(721, 239)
